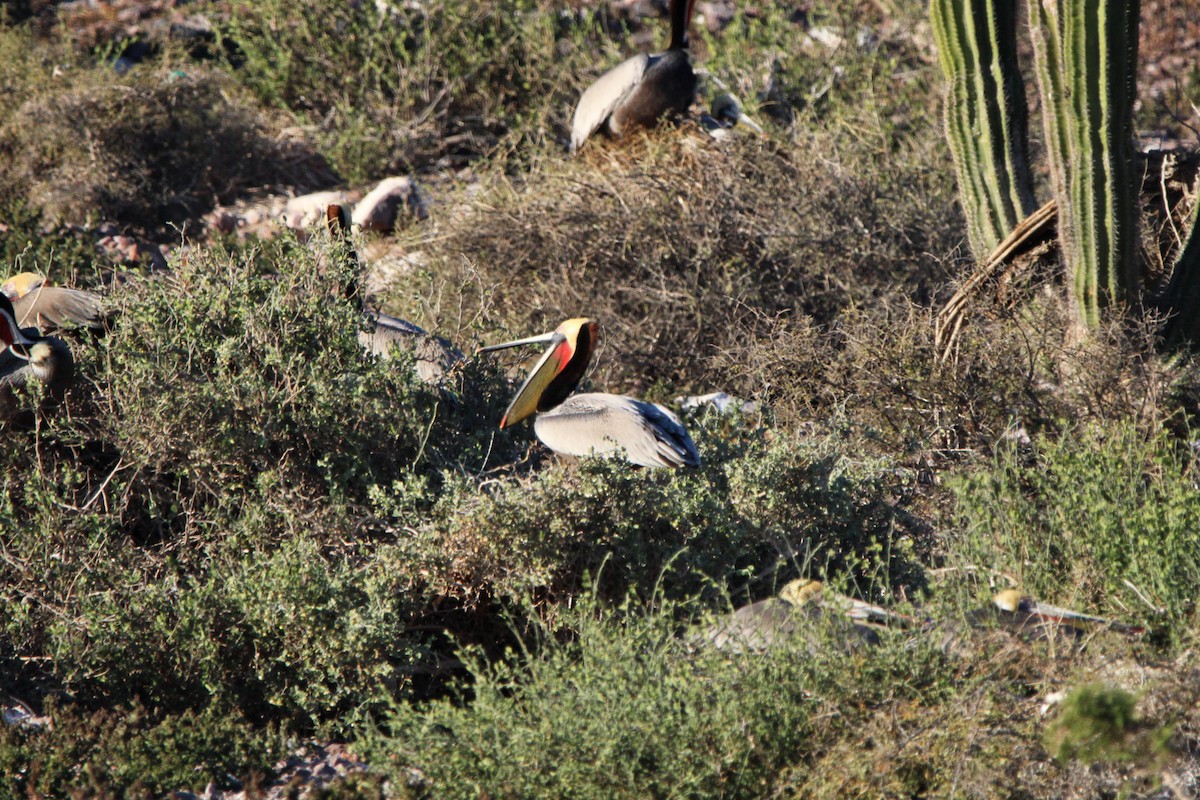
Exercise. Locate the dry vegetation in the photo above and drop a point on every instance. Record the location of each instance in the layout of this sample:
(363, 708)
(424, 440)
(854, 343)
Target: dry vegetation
(241, 532)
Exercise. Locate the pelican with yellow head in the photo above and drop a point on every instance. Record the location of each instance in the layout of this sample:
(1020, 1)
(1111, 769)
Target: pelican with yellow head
(1028, 615)
(28, 357)
(592, 423)
(38, 304)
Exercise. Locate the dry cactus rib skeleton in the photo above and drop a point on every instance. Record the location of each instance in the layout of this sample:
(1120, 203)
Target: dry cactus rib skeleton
(1037, 228)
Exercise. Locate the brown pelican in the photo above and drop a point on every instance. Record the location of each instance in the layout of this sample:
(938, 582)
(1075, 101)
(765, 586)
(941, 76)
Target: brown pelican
(434, 354)
(724, 115)
(801, 604)
(641, 90)
(48, 308)
(1032, 619)
(29, 356)
(592, 423)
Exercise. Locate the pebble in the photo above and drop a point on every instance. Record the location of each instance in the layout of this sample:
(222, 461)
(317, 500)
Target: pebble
(304, 772)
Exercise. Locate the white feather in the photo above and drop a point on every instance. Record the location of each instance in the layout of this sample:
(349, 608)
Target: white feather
(597, 103)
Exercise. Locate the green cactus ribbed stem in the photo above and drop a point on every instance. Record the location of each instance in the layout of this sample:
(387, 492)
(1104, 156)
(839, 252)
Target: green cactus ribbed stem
(1085, 53)
(986, 115)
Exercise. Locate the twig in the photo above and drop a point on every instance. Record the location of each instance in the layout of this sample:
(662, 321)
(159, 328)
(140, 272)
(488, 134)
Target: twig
(1156, 609)
(96, 494)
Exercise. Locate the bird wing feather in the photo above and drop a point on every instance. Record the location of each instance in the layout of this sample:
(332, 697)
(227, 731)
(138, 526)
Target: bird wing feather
(601, 424)
(602, 97)
(51, 307)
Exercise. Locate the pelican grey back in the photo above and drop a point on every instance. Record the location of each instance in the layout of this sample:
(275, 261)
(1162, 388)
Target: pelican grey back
(435, 355)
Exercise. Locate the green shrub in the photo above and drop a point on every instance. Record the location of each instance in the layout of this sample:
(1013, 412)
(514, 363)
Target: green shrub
(294, 633)
(754, 506)
(130, 752)
(1093, 725)
(186, 530)
(1098, 723)
(1086, 517)
(243, 374)
(621, 708)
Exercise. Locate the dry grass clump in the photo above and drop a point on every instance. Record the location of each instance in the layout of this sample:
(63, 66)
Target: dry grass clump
(683, 249)
(156, 147)
(1014, 373)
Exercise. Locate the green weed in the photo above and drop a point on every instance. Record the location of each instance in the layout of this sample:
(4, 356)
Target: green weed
(619, 707)
(1105, 514)
(131, 753)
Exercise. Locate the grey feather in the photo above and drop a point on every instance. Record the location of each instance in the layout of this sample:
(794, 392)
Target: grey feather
(605, 424)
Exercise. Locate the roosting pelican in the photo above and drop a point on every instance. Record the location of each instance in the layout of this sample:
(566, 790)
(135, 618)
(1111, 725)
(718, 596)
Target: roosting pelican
(797, 609)
(37, 303)
(1027, 616)
(592, 423)
(30, 356)
(641, 90)
(434, 355)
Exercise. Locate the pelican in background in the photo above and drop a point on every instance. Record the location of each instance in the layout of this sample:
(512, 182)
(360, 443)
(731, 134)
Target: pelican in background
(49, 308)
(592, 423)
(800, 605)
(1037, 620)
(641, 90)
(724, 115)
(29, 356)
(434, 354)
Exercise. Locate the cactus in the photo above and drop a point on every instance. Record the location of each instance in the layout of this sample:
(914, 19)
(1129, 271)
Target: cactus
(1085, 52)
(986, 115)
(1182, 297)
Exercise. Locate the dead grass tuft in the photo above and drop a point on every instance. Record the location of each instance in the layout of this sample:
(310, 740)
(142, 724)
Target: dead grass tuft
(683, 249)
(158, 148)
(1015, 373)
